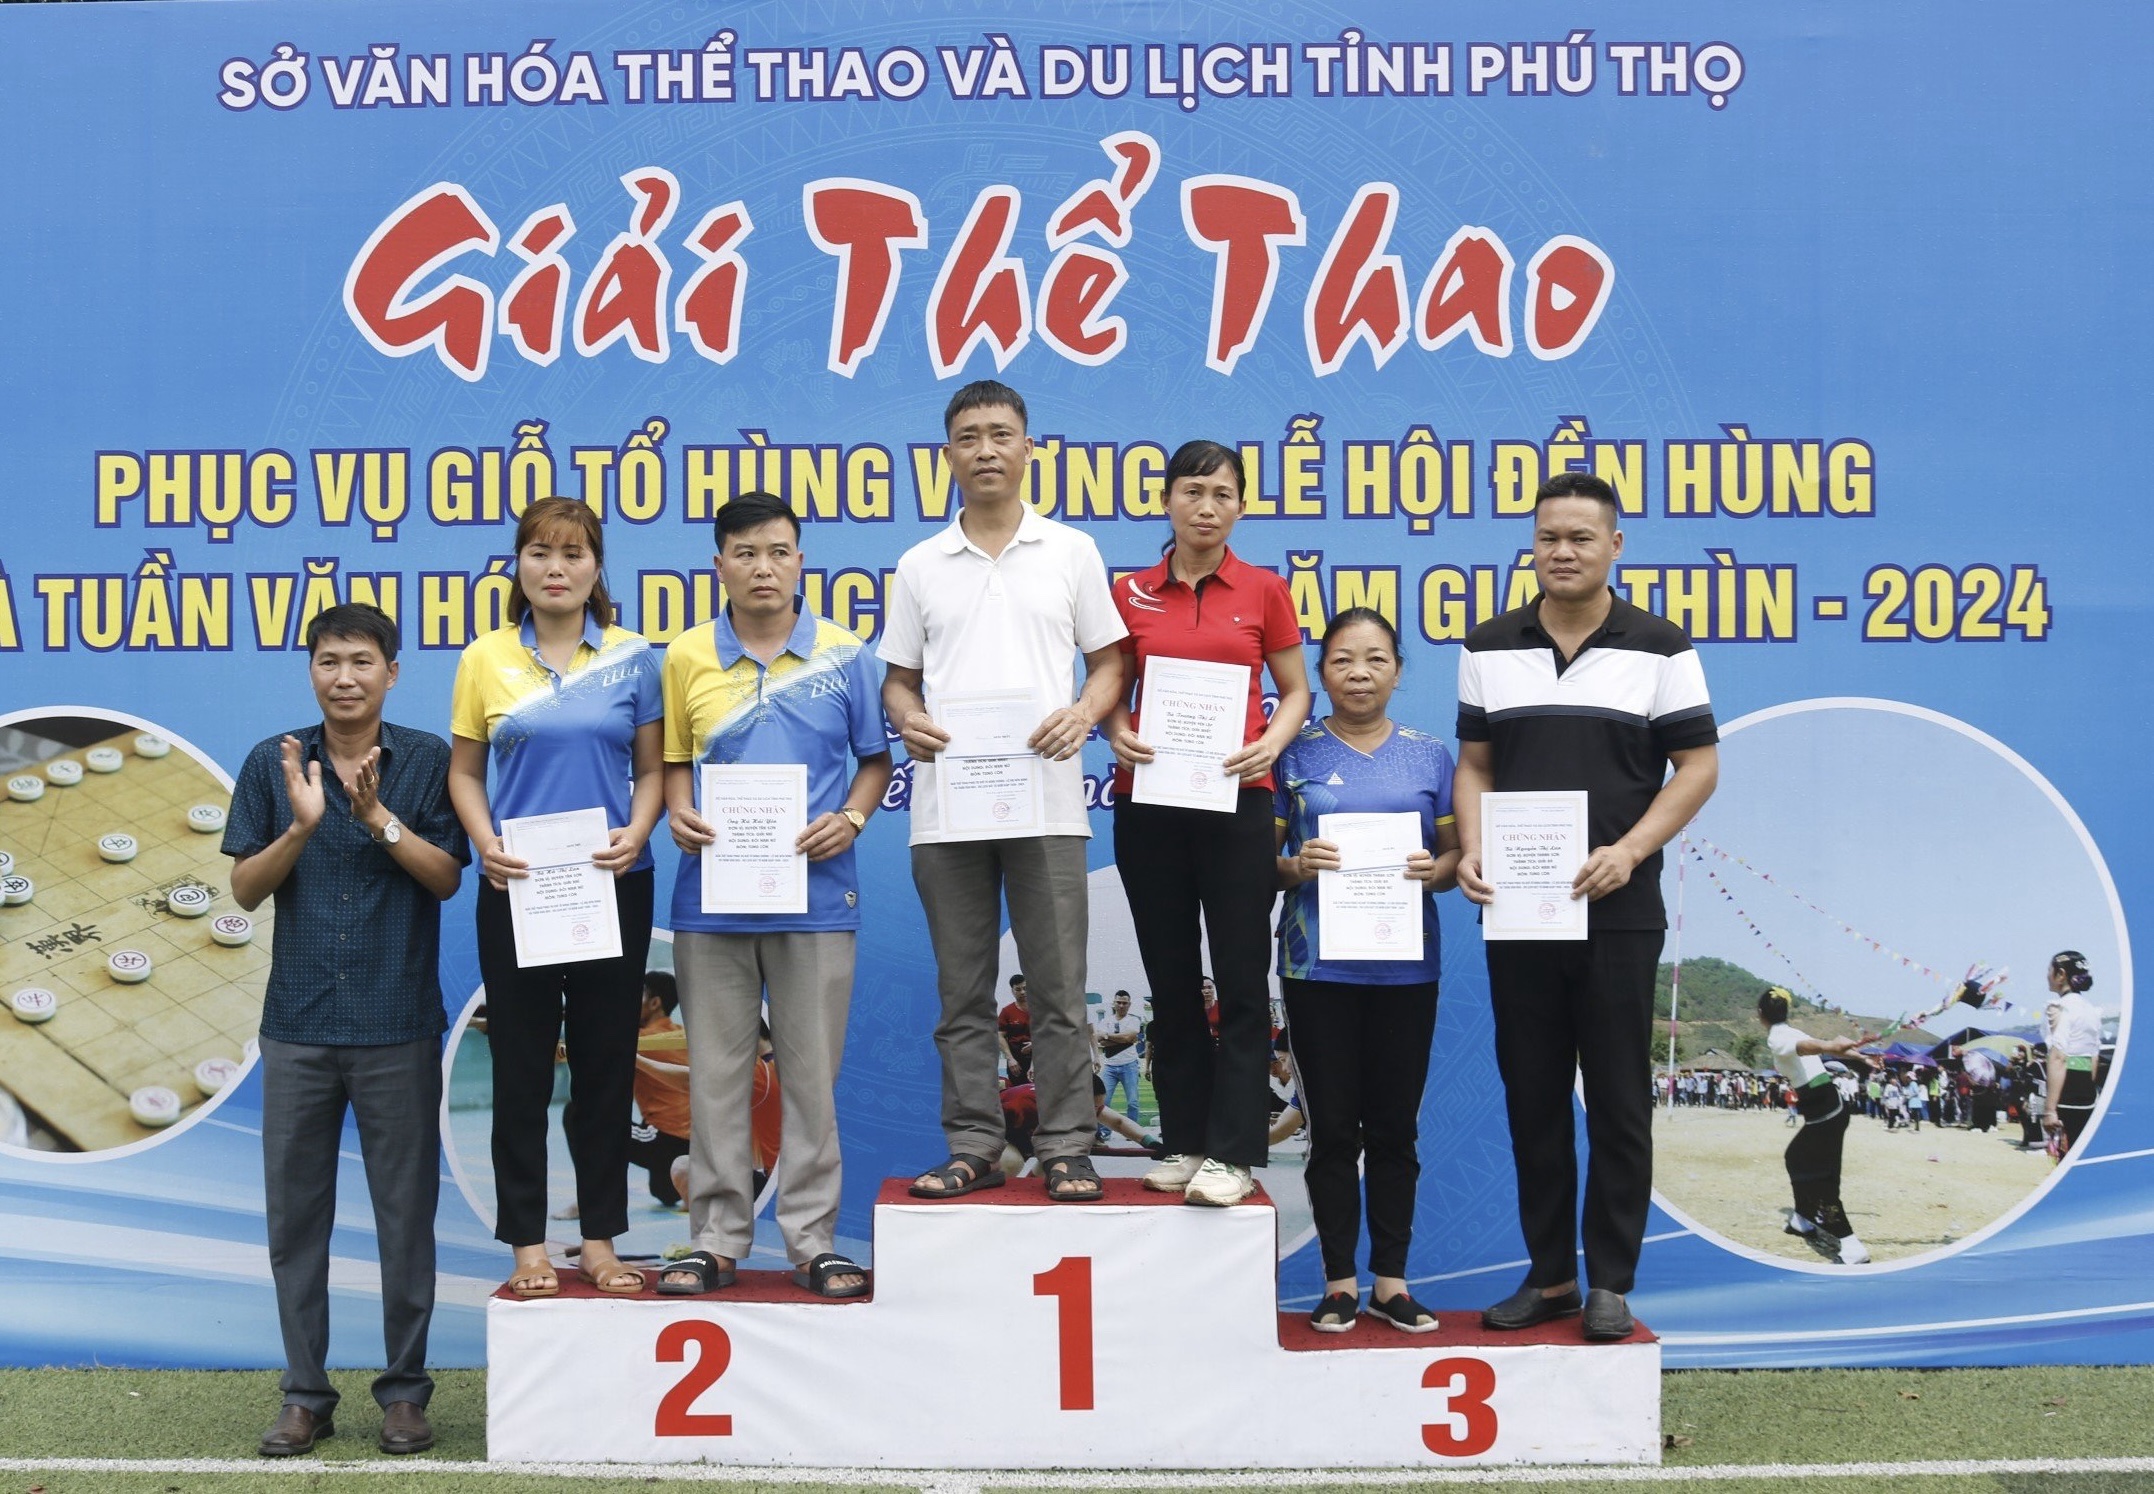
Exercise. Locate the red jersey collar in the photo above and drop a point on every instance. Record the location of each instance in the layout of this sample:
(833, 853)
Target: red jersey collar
(1229, 574)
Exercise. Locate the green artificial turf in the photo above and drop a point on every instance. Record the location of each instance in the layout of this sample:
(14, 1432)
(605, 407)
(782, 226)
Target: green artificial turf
(1713, 1418)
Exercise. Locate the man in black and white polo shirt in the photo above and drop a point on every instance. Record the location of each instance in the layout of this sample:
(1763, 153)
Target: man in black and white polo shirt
(1580, 690)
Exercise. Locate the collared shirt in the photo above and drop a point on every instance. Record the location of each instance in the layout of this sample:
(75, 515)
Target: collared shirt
(357, 942)
(1019, 620)
(1409, 772)
(558, 741)
(1239, 614)
(1604, 720)
(816, 702)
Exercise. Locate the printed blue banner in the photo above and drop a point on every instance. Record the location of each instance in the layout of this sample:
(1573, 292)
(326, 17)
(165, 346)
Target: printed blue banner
(305, 303)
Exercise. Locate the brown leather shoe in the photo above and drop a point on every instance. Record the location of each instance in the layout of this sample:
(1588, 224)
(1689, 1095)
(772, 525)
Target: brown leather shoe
(296, 1432)
(404, 1428)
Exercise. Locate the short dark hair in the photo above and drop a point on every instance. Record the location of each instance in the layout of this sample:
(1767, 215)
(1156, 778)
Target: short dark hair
(1017, 980)
(1202, 459)
(1121, 993)
(1773, 1005)
(980, 394)
(1353, 615)
(660, 983)
(752, 511)
(356, 620)
(1579, 485)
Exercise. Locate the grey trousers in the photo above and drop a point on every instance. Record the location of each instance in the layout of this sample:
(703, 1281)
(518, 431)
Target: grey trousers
(963, 885)
(394, 1094)
(723, 978)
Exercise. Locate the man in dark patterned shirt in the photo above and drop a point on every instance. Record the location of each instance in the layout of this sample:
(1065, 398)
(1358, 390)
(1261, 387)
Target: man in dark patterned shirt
(347, 824)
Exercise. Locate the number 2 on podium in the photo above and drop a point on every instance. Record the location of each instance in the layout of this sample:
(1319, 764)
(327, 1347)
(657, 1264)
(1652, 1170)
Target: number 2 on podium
(1070, 1284)
(714, 1351)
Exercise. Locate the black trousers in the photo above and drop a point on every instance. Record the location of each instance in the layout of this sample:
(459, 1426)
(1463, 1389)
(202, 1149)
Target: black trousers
(1813, 1158)
(1175, 863)
(1361, 1054)
(600, 1004)
(655, 1152)
(2075, 1105)
(1566, 1010)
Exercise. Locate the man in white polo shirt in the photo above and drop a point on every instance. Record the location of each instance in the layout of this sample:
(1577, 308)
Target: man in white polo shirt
(981, 633)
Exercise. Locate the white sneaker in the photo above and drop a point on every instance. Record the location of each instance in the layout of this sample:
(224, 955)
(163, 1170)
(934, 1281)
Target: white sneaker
(1173, 1173)
(1852, 1252)
(1219, 1184)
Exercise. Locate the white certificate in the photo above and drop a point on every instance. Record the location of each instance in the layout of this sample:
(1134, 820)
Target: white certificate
(989, 798)
(1531, 847)
(563, 910)
(757, 811)
(1191, 715)
(1369, 910)
(987, 723)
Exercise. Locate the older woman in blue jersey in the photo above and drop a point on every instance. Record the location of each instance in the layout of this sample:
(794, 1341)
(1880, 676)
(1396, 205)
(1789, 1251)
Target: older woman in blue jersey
(566, 709)
(1361, 1029)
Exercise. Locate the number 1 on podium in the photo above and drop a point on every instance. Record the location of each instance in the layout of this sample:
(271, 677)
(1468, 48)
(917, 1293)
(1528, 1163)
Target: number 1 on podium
(1070, 1284)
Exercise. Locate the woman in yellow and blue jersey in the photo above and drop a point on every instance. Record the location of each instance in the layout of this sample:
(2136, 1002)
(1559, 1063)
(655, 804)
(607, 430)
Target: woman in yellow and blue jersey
(1360, 1030)
(567, 710)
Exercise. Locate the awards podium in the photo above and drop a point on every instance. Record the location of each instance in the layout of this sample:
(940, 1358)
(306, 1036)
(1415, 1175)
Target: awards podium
(1005, 1331)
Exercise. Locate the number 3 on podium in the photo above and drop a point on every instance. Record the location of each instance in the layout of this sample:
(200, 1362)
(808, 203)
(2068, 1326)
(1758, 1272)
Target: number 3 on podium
(1475, 1380)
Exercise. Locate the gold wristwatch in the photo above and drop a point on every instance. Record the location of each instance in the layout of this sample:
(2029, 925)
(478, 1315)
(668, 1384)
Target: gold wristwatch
(855, 818)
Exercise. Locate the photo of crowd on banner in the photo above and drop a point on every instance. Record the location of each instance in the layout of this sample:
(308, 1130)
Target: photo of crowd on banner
(1930, 1102)
(635, 1085)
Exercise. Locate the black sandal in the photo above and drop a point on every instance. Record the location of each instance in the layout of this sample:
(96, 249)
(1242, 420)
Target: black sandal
(1404, 1314)
(815, 1276)
(1337, 1313)
(962, 1174)
(709, 1274)
(1066, 1177)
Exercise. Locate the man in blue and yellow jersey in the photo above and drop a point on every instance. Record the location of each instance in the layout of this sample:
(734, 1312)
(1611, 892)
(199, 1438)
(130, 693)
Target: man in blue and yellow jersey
(767, 681)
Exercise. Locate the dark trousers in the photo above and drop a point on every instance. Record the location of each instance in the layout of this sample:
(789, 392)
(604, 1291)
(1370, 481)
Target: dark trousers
(654, 1151)
(602, 1003)
(394, 1095)
(1361, 1054)
(1813, 1159)
(1567, 1009)
(2075, 1105)
(1175, 863)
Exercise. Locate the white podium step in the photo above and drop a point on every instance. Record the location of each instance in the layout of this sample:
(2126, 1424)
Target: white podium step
(1005, 1331)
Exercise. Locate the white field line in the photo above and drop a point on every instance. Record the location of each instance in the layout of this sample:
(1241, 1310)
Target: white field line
(929, 1482)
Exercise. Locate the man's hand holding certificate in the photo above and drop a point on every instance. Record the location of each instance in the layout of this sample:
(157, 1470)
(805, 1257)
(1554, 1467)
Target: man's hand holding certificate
(987, 778)
(1532, 846)
(562, 909)
(756, 812)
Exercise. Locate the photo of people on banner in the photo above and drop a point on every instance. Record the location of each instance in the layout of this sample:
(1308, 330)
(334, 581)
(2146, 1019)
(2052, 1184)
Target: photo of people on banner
(1931, 1100)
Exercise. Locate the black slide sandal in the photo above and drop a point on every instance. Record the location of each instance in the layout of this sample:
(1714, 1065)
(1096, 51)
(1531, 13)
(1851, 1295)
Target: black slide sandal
(710, 1276)
(815, 1276)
